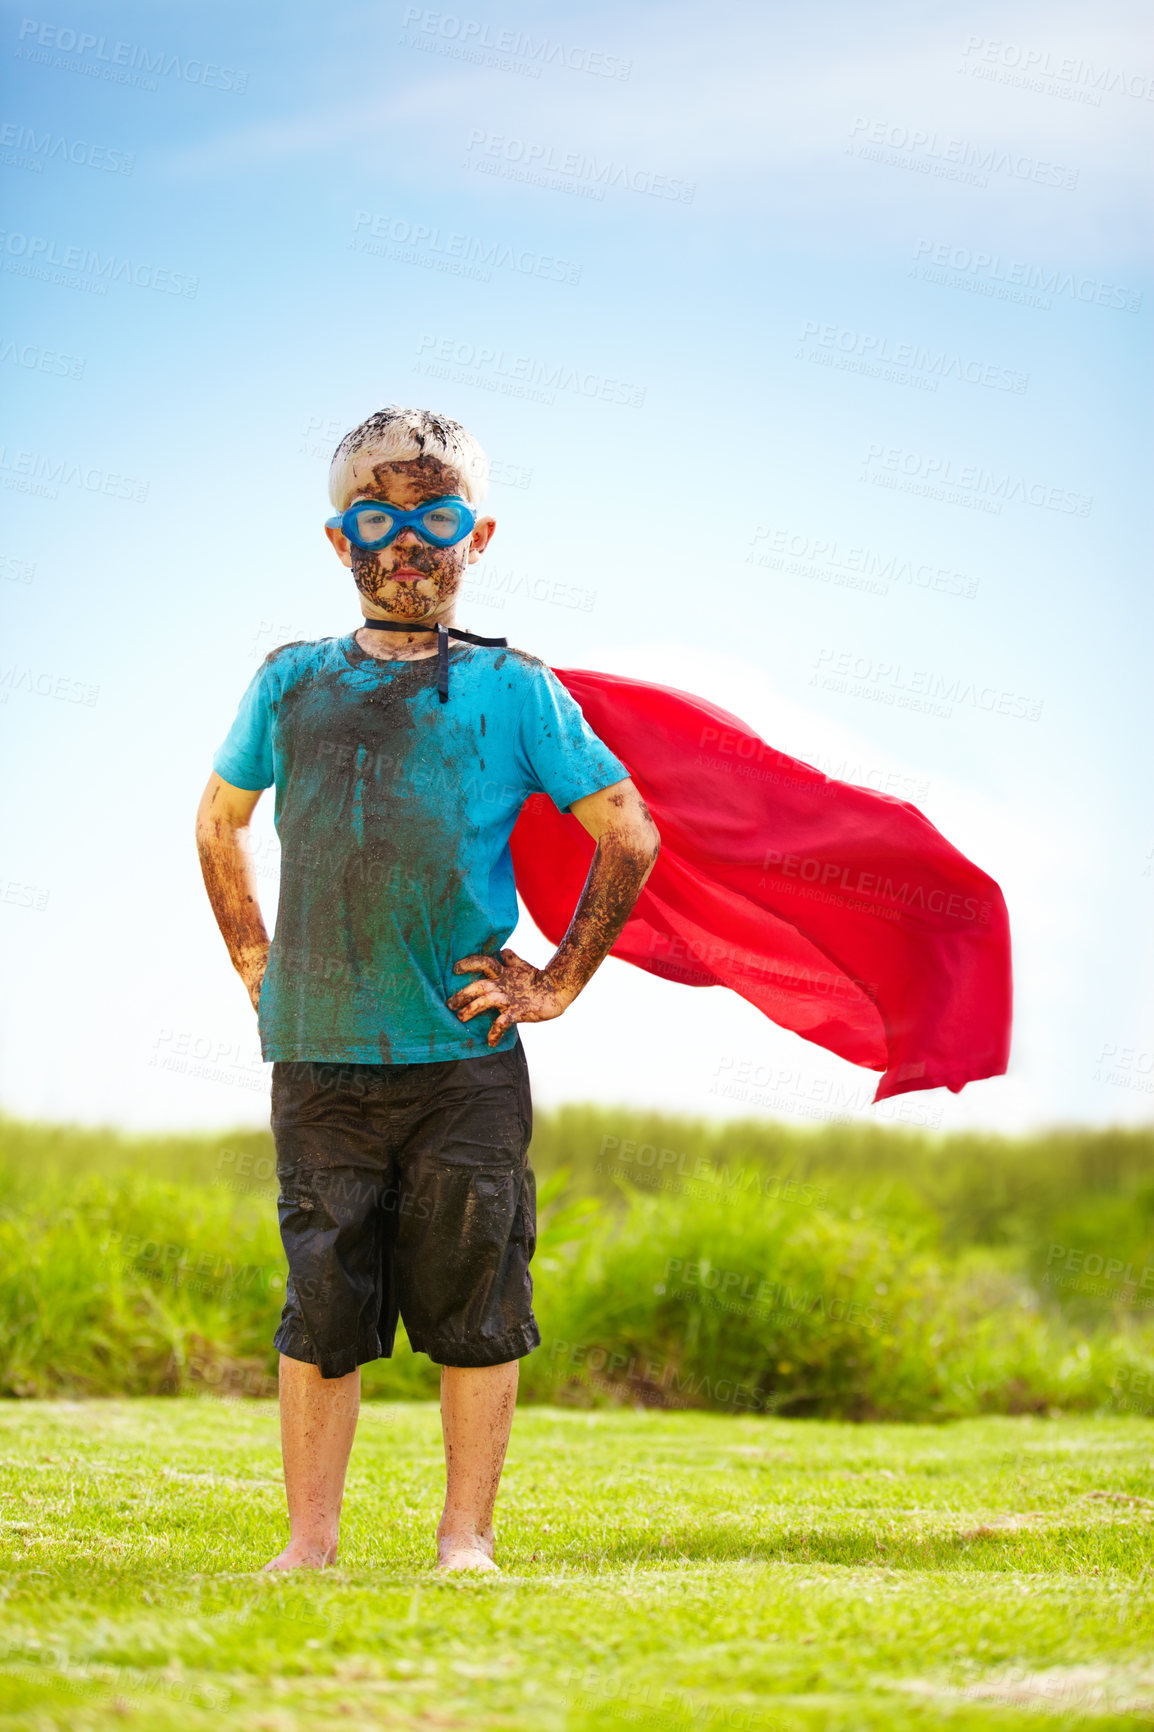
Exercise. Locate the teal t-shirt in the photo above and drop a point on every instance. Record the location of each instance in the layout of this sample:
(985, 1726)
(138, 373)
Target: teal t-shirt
(394, 813)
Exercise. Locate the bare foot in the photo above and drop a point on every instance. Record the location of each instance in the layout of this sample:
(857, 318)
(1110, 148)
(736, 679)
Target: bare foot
(465, 1552)
(300, 1555)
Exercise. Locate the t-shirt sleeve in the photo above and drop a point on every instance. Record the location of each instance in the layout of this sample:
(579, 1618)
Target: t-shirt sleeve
(245, 757)
(558, 751)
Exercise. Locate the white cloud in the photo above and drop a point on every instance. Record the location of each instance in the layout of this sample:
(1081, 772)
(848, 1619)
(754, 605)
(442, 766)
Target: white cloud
(760, 109)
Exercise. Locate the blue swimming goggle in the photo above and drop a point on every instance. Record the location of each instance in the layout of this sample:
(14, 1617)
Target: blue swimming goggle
(373, 523)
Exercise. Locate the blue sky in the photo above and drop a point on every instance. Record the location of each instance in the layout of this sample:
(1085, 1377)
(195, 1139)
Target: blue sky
(811, 351)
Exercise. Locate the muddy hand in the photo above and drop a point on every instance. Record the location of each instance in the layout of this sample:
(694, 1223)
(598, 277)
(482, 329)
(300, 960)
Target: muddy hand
(514, 988)
(253, 965)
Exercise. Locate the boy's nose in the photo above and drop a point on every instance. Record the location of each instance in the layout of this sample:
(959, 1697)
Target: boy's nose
(408, 537)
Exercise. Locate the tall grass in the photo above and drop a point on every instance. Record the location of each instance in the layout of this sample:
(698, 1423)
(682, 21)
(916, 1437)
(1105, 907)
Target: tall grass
(797, 1309)
(976, 1188)
(845, 1271)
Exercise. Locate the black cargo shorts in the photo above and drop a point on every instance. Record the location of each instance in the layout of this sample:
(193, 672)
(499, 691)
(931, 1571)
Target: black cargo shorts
(406, 1190)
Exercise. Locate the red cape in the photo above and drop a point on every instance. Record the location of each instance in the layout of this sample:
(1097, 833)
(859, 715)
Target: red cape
(840, 913)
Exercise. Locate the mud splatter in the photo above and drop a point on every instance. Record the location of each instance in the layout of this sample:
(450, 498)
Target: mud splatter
(274, 655)
(408, 484)
(369, 866)
(229, 879)
(422, 427)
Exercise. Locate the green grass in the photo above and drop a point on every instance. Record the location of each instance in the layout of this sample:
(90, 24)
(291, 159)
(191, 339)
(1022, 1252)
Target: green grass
(672, 1570)
(958, 1188)
(962, 1187)
(683, 1570)
(154, 1266)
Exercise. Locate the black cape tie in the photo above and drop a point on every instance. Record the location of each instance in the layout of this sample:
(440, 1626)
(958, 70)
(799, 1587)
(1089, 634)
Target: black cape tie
(444, 633)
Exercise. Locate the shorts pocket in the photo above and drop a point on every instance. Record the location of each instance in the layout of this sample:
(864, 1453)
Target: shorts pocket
(295, 1194)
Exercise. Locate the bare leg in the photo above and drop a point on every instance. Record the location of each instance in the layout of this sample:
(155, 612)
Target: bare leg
(476, 1417)
(318, 1416)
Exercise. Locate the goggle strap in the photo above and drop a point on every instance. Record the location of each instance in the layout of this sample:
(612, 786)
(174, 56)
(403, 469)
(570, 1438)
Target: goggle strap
(442, 663)
(444, 633)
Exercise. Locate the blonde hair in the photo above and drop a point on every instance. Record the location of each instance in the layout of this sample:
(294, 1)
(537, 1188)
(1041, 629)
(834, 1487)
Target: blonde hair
(403, 434)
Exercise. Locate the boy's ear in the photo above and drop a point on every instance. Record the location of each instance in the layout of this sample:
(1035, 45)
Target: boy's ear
(481, 537)
(341, 545)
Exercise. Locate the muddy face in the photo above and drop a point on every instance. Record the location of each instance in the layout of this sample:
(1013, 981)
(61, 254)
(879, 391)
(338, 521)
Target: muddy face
(411, 579)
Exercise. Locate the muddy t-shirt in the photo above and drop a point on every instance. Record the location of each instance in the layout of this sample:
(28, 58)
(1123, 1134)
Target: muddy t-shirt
(394, 813)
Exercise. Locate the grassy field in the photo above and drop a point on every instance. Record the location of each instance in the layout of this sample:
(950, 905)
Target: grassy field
(666, 1570)
(845, 1272)
(764, 1565)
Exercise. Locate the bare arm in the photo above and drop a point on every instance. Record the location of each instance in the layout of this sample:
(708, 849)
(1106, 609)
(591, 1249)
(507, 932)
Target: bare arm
(627, 848)
(222, 822)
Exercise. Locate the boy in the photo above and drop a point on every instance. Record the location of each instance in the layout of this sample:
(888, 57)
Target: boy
(401, 1120)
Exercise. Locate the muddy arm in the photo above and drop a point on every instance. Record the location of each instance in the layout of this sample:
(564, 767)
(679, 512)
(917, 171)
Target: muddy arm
(222, 822)
(627, 847)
